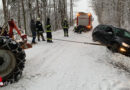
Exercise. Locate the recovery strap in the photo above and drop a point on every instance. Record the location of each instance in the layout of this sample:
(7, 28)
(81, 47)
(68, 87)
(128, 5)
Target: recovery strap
(79, 42)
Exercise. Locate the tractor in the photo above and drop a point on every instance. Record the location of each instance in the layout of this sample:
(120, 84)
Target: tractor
(12, 54)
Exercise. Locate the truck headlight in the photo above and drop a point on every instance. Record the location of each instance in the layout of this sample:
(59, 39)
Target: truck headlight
(125, 45)
(122, 49)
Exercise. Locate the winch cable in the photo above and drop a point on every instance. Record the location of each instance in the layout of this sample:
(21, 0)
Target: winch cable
(79, 42)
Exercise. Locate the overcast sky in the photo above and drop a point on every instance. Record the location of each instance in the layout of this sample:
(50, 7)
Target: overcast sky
(1, 4)
(83, 6)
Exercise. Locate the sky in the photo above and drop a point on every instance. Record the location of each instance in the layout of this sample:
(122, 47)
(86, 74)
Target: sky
(83, 6)
(1, 4)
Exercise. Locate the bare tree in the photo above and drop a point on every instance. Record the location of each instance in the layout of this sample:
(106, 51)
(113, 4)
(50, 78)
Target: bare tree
(5, 9)
(19, 15)
(38, 12)
(71, 12)
(24, 16)
(114, 12)
(25, 10)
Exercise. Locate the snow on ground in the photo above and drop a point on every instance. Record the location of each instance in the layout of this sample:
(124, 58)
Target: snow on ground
(71, 66)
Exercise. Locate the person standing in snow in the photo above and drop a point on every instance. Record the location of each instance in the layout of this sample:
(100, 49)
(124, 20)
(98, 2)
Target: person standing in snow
(48, 31)
(33, 29)
(39, 30)
(65, 26)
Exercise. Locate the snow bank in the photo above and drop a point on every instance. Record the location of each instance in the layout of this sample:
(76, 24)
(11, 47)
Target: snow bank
(119, 60)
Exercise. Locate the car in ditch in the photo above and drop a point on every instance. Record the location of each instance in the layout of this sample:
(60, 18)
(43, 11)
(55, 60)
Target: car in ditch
(116, 39)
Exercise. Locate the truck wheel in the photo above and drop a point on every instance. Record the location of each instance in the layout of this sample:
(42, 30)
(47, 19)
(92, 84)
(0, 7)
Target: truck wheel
(12, 60)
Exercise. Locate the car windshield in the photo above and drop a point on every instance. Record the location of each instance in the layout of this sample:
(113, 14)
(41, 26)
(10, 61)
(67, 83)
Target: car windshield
(127, 34)
(122, 33)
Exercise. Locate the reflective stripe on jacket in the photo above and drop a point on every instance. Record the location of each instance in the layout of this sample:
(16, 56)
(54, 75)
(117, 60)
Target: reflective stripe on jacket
(48, 27)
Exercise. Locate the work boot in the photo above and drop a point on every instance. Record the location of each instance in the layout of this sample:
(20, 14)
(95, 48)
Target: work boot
(43, 40)
(34, 42)
(50, 41)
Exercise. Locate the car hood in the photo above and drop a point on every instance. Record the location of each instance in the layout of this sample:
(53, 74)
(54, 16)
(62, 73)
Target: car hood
(120, 39)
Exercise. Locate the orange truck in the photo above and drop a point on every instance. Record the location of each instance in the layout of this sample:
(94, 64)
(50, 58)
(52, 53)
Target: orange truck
(83, 22)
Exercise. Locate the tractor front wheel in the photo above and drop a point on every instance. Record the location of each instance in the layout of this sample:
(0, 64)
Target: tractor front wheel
(12, 60)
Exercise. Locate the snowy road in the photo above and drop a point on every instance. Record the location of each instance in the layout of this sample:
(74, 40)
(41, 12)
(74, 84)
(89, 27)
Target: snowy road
(69, 66)
(72, 66)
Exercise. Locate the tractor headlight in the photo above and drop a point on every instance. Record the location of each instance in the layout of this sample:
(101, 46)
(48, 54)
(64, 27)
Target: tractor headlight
(125, 45)
(122, 49)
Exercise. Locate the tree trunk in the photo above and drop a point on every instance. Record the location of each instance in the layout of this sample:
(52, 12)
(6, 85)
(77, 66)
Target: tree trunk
(38, 11)
(71, 12)
(55, 26)
(5, 9)
(30, 8)
(24, 16)
(19, 15)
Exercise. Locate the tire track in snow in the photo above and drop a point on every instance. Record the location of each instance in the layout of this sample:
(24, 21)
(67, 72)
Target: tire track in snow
(50, 56)
(81, 70)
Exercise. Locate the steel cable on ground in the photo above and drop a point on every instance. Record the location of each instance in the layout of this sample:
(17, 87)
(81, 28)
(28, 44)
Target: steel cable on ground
(78, 42)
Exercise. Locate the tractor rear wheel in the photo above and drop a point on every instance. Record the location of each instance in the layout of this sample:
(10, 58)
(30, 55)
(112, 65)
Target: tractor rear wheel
(12, 60)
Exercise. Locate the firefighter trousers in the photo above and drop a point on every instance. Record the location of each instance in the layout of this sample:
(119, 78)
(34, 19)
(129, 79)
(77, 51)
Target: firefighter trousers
(33, 40)
(49, 37)
(66, 32)
(40, 34)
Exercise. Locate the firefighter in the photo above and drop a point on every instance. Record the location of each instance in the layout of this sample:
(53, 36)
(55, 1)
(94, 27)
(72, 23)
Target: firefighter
(39, 29)
(65, 26)
(33, 29)
(48, 31)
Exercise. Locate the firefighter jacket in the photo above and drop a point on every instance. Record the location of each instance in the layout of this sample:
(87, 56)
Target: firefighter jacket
(39, 27)
(48, 28)
(65, 24)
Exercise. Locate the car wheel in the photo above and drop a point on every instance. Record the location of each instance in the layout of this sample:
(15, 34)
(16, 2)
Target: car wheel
(114, 47)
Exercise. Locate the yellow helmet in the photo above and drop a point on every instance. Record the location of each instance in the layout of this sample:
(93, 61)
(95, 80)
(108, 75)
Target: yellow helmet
(38, 19)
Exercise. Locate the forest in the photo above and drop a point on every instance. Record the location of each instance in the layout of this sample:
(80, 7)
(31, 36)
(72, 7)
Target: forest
(113, 12)
(22, 11)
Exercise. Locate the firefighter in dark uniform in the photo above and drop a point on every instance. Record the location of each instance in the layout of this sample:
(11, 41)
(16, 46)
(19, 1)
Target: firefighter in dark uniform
(39, 29)
(33, 29)
(48, 31)
(65, 26)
